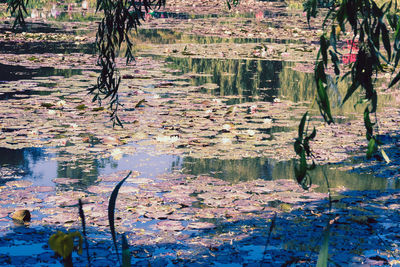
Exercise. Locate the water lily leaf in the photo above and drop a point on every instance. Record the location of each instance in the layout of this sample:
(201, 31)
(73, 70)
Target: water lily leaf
(201, 225)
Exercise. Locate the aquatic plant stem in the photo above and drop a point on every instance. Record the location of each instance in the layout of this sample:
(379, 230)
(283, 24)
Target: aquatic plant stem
(111, 211)
(329, 190)
(388, 248)
(82, 216)
(271, 226)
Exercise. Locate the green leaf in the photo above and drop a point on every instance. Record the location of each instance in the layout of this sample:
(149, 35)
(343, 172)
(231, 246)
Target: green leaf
(62, 244)
(313, 134)
(386, 40)
(111, 210)
(323, 102)
(350, 91)
(301, 172)
(319, 72)
(324, 251)
(385, 156)
(301, 125)
(395, 79)
(332, 38)
(297, 147)
(371, 148)
(324, 45)
(65, 245)
(335, 62)
(368, 124)
(126, 254)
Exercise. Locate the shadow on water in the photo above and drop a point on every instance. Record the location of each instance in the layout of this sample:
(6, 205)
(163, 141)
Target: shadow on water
(23, 94)
(37, 27)
(358, 234)
(61, 47)
(14, 73)
(22, 158)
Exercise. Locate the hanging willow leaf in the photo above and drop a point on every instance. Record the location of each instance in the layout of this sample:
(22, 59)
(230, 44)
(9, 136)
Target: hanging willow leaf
(395, 79)
(301, 126)
(310, 6)
(319, 73)
(323, 103)
(350, 91)
(386, 39)
(371, 147)
(301, 170)
(368, 124)
(324, 45)
(335, 62)
(82, 216)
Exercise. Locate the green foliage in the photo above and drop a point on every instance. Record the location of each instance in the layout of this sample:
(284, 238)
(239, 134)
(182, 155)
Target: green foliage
(231, 3)
(126, 254)
(119, 18)
(63, 243)
(370, 25)
(302, 149)
(18, 9)
(323, 252)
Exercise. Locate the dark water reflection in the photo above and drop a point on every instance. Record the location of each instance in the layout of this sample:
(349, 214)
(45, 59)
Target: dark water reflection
(168, 36)
(248, 169)
(265, 80)
(249, 79)
(14, 73)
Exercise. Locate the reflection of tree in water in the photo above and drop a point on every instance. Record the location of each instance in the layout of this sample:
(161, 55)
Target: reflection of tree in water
(233, 171)
(234, 76)
(168, 36)
(298, 86)
(247, 169)
(85, 169)
(12, 73)
(20, 158)
(337, 178)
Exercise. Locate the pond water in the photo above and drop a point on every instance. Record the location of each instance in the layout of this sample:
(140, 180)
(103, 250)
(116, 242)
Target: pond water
(248, 80)
(169, 36)
(73, 160)
(40, 167)
(263, 80)
(15, 73)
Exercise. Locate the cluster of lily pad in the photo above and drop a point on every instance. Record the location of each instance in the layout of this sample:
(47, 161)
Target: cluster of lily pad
(180, 218)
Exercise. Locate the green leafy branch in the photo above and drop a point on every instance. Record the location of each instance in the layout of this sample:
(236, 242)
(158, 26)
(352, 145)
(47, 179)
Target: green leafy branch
(120, 17)
(376, 52)
(63, 244)
(231, 3)
(303, 150)
(18, 10)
